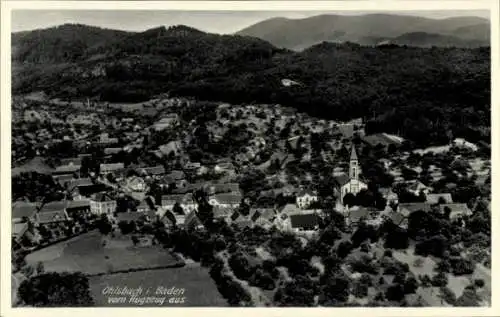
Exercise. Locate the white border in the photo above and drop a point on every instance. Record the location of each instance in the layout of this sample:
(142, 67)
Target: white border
(5, 194)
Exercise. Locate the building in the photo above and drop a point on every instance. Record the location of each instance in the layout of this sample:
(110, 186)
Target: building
(111, 168)
(444, 198)
(407, 209)
(416, 187)
(232, 200)
(185, 201)
(398, 219)
(24, 211)
(305, 198)
(350, 184)
(357, 215)
(102, 204)
(455, 210)
(224, 167)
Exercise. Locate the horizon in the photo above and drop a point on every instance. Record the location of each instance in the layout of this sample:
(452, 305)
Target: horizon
(219, 22)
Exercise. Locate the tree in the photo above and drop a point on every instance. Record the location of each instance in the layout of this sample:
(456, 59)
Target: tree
(447, 295)
(395, 293)
(103, 225)
(440, 280)
(349, 200)
(56, 290)
(410, 285)
(135, 240)
(40, 268)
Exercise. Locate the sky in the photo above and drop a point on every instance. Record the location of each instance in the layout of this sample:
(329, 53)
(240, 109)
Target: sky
(224, 22)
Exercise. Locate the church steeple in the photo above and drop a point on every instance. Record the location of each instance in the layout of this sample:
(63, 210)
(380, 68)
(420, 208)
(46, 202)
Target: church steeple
(353, 164)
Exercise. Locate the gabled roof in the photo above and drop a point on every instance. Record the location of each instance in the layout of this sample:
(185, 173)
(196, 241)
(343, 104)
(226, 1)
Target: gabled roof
(80, 182)
(231, 198)
(67, 169)
(176, 175)
(112, 166)
(83, 203)
(154, 170)
(355, 215)
(51, 216)
(456, 208)
(71, 160)
(408, 208)
(304, 221)
(53, 206)
(434, 198)
(172, 199)
(396, 217)
(101, 197)
(63, 179)
(18, 229)
(289, 209)
(341, 180)
(129, 216)
(304, 192)
(221, 212)
(22, 209)
(225, 188)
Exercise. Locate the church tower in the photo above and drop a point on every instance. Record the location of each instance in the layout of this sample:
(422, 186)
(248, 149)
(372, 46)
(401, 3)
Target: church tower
(353, 165)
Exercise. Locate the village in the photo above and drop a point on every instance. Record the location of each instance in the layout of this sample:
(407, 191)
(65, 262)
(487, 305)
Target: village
(260, 168)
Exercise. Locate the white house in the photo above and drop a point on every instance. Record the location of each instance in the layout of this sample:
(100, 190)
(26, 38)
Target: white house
(305, 198)
(102, 204)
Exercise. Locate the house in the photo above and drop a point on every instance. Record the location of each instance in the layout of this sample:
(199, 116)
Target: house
(104, 139)
(462, 143)
(455, 210)
(185, 201)
(305, 198)
(221, 212)
(102, 204)
(407, 209)
(153, 171)
(71, 161)
(176, 177)
(136, 184)
(130, 216)
(304, 222)
(439, 198)
(416, 187)
(351, 183)
(78, 208)
(171, 148)
(110, 168)
(223, 188)
(389, 195)
(398, 219)
(24, 211)
(84, 187)
(67, 170)
(52, 212)
(64, 179)
(112, 150)
(169, 121)
(226, 200)
(356, 215)
(144, 206)
(23, 236)
(224, 167)
(192, 222)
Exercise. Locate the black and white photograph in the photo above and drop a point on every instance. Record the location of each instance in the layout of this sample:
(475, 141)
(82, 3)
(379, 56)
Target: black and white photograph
(232, 158)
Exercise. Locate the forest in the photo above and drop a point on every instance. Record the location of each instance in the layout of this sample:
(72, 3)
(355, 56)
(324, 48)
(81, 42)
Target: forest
(427, 95)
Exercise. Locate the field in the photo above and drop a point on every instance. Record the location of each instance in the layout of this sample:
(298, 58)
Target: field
(86, 254)
(197, 285)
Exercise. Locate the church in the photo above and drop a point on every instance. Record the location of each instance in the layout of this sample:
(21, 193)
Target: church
(350, 183)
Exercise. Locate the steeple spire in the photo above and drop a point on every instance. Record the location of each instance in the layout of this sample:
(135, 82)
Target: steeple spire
(353, 164)
(354, 156)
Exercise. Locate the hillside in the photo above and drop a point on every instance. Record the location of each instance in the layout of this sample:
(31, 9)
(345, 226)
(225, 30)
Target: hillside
(298, 34)
(419, 93)
(423, 39)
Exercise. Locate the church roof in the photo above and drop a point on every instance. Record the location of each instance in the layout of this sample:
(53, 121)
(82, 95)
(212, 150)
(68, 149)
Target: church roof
(341, 180)
(354, 156)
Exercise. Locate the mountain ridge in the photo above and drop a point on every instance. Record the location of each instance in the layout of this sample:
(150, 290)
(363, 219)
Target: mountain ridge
(298, 34)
